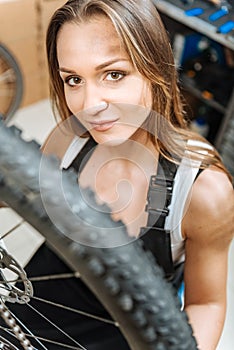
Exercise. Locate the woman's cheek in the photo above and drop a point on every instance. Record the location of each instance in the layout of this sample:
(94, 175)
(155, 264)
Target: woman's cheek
(73, 102)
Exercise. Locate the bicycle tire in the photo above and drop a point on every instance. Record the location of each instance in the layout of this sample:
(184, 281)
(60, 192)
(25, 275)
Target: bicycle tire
(136, 296)
(8, 60)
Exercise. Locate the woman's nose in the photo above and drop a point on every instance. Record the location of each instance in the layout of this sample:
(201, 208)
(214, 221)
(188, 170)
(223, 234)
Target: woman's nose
(94, 102)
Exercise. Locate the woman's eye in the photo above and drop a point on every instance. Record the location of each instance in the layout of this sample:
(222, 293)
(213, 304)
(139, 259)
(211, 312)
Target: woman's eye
(115, 76)
(73, 81)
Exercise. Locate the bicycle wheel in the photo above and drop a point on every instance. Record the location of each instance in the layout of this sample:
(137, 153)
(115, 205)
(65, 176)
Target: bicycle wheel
(136, 295)
(11, 84)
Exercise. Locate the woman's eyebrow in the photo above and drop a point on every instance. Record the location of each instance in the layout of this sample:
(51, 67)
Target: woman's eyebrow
(109, 63)
(66, 70)
(99, 67)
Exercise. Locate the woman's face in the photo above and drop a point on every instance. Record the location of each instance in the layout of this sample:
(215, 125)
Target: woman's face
(110, 98)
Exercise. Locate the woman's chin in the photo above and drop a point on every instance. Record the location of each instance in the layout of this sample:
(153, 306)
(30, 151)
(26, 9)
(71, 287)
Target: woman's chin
(109, 141)
(110, 138)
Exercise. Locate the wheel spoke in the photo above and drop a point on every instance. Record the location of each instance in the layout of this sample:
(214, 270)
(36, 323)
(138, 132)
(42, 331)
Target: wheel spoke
(8, 76)
(16, 329)
(57, 327)
(39, 339)
(12, 229)
(105, 320)
(47, 277)
(64, 307)
(7, 261)
(44, 339)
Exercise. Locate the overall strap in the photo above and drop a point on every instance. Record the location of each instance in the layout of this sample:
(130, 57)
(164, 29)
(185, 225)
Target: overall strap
(155, 237)
(86, 151)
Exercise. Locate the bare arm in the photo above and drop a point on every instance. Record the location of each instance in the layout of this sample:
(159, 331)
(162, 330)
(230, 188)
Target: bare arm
(208, 227)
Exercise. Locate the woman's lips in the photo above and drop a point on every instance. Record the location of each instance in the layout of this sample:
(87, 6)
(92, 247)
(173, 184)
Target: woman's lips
(102, 125)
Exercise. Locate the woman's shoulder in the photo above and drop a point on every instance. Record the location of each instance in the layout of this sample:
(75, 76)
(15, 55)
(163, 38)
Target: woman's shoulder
(214, 188)
(211, 207)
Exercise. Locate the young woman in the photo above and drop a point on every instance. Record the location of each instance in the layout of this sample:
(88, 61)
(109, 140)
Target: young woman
(114, 87)
(111, 66)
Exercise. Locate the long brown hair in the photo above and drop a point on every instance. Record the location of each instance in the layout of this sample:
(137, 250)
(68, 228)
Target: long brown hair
(141, 31)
